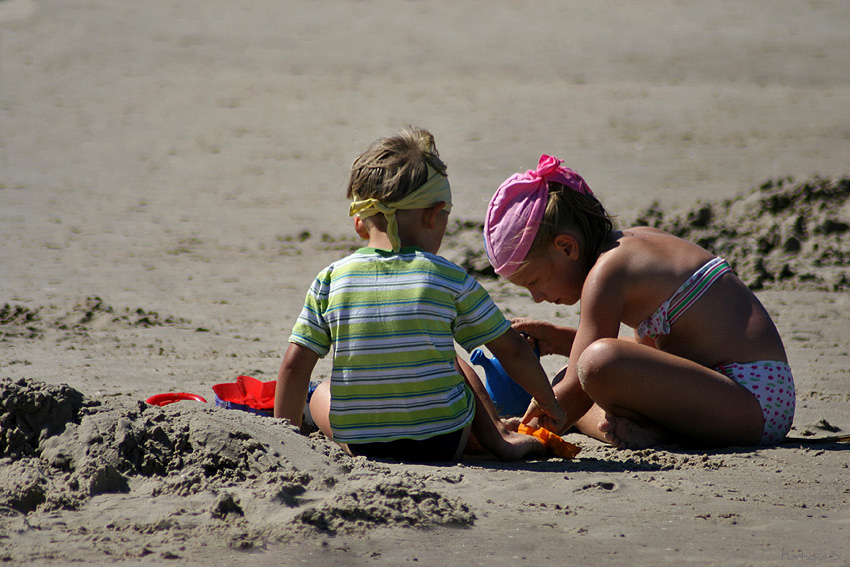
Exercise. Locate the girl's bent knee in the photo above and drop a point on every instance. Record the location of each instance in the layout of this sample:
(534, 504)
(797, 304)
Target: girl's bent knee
(595, 362)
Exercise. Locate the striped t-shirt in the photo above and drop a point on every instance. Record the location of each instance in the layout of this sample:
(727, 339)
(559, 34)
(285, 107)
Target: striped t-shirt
(392, 319)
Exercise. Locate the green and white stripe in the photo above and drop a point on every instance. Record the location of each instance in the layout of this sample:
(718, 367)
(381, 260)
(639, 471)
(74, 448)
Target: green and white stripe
(392, 319)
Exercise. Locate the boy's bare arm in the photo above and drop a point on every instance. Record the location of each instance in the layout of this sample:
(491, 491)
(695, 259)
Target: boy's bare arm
(293, 381)
(522, 365)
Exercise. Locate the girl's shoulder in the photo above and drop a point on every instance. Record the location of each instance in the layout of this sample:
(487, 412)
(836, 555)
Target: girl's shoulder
(643, 254)
(646, 230)
(628, 250)
(643, 244)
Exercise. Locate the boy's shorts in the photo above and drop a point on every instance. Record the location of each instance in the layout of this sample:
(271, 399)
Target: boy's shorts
(434, 449)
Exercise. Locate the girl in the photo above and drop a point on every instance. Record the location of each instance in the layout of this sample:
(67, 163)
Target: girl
(706, 365)
(391, 312)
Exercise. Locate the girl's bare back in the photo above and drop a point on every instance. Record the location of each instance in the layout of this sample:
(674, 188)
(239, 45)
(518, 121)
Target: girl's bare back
(727, 324)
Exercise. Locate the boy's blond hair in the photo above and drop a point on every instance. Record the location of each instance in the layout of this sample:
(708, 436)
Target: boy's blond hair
(395, 166)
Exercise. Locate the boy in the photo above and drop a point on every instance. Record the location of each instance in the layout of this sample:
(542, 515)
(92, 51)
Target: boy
(392, 311)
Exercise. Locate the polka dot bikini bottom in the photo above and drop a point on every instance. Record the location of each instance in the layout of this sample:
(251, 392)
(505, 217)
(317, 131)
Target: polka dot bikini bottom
(773, 386)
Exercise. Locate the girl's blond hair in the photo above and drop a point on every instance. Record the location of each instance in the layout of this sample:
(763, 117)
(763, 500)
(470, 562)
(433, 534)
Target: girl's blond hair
(567, 209)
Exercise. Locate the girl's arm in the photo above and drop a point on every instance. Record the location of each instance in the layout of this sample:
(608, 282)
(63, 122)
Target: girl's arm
(522, 365)
(602, 301)
(293, 381)
(601, 311)
(550, 339)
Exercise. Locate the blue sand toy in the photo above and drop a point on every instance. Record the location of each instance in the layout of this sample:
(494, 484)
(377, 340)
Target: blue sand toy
(508, 396)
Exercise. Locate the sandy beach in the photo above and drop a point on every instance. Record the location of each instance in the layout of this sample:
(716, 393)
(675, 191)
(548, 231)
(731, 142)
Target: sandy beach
(172, 177)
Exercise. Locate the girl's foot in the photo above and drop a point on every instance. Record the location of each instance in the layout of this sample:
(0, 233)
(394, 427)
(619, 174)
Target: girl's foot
(624, 433)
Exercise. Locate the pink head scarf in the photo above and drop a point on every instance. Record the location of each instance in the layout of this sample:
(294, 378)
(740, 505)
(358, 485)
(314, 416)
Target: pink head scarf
(515, 212)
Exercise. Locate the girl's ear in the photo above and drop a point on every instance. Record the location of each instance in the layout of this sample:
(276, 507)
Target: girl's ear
(568, 245)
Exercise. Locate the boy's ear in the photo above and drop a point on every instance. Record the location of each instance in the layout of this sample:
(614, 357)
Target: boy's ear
(431, 213)
(568, 245)
(362, 232)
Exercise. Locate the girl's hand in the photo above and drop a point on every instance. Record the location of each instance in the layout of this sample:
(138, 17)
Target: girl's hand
(549, 338)
(512, 423)
(551, 417)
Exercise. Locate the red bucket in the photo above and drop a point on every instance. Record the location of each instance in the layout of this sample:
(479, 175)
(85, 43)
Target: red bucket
(171, 397)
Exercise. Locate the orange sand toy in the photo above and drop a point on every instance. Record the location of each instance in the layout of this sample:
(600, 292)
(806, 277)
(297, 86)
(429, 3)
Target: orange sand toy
(553, 442)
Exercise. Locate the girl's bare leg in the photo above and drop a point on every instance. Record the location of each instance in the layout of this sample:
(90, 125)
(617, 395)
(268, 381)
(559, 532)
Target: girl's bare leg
(488, 431)
(650, 397)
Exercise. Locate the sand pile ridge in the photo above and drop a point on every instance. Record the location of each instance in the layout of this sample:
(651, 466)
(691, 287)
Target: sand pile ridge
(254, 476)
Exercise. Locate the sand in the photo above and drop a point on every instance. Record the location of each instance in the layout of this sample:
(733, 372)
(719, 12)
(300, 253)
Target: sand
(172, 176)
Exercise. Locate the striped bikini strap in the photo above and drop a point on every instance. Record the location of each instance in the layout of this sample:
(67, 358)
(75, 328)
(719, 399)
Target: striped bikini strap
(696, 285)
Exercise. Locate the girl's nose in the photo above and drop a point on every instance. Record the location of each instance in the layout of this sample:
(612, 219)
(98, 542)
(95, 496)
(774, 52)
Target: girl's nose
(538, 297)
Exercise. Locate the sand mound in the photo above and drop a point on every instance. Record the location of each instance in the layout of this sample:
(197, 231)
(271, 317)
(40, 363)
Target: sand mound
(90, 313)
(254, 478)
(32, 412)
(18, 321)
(781, 235)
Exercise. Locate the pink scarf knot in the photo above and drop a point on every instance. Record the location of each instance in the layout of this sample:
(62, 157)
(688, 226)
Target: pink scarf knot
(516, 209)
